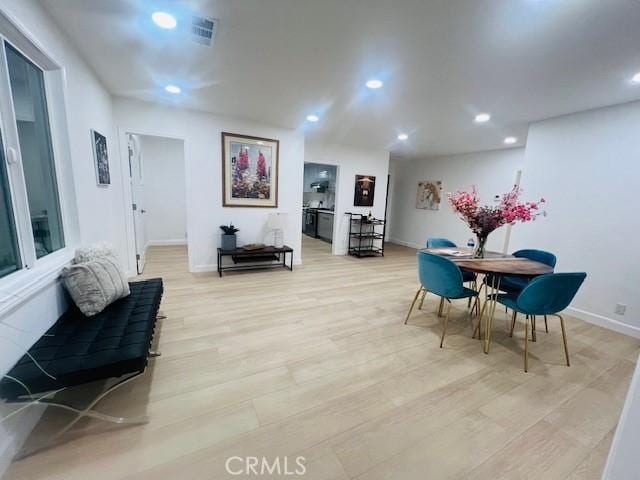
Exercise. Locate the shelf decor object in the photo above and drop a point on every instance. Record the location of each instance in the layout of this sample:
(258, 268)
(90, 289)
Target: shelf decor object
(276, 223)
(483, 220)
(228, 238)
(366, 235)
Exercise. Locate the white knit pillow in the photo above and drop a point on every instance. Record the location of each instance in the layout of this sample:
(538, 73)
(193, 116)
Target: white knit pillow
(94, 251)
(93, 285)
(104, 250)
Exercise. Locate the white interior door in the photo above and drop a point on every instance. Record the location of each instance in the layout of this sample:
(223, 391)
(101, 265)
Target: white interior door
(137, 199)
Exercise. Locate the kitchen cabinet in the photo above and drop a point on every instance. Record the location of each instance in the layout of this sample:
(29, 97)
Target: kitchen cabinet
(325, 226)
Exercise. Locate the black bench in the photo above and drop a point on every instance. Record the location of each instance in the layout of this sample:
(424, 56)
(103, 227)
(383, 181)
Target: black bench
(76, 350)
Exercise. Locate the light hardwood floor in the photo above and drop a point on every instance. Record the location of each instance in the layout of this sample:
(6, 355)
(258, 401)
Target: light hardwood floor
(317, 363)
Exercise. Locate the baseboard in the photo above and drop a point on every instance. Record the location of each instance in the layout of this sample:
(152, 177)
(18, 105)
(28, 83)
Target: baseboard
(163, 243)
(605, 322)
(212, 267)
(397, 241)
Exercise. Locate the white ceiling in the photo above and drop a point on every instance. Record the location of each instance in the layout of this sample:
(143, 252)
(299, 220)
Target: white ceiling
(442, 61)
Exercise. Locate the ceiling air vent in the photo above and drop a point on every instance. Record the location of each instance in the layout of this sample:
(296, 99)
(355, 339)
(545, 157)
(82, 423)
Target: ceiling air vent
(203, 30)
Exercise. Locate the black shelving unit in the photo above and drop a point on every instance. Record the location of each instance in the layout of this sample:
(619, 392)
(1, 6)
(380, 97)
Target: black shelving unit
(365, 237)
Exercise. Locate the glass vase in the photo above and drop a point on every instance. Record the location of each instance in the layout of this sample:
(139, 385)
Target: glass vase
(480, 246)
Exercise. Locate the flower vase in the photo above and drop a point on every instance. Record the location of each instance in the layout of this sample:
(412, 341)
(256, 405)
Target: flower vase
(479, 251)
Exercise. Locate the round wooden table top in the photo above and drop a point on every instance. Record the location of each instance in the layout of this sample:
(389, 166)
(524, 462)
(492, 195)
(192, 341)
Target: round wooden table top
(494, 262)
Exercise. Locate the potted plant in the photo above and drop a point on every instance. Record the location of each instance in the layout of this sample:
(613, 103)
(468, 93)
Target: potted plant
(485, 219)
(228, 237)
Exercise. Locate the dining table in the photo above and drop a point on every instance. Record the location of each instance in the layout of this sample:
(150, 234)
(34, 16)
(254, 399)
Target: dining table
(494, 266)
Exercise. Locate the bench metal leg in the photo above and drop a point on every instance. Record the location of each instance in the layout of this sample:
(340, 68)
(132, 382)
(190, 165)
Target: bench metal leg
(86, 412)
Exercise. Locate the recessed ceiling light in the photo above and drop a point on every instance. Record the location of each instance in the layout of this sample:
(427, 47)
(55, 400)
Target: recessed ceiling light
(510, 140)
(164, 20)
(312, 118)
(173, 89)
(403, 136)
(374, 83)
(636, 78)
(482, 117)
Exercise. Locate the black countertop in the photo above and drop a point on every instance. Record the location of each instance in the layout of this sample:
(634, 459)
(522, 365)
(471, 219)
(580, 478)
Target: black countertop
(322, 210)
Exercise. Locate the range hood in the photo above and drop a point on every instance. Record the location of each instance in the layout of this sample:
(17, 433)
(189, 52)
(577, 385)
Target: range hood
(320, 186)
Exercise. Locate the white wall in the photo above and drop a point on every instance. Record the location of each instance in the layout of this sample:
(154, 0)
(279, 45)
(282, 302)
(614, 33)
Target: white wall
(165, 196)
(351, 162)
(587, 166)
(492, 172)
(202, 135)
(92, 213)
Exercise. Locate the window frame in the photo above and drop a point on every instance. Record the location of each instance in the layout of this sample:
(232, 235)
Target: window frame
(35, 274)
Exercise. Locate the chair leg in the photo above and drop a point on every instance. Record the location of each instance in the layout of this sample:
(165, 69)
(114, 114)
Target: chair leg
(412, 304)
(546, 327)
(441, 307)
(480, 315)
(526, 344)
(424, 294)
(564, 340)
(533, 328)
(513, 322)
(476, 330)
(446, 320)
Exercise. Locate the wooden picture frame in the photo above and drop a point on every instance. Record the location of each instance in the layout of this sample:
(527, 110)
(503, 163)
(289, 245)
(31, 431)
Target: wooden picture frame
(249, 171)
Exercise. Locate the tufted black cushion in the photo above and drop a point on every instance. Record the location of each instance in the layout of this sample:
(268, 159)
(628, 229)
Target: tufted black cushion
(77, 349)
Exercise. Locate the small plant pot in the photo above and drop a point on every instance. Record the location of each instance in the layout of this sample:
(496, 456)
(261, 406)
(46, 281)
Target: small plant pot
(228, 242)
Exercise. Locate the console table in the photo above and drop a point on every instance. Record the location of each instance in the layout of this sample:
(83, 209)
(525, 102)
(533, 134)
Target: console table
(248, 259)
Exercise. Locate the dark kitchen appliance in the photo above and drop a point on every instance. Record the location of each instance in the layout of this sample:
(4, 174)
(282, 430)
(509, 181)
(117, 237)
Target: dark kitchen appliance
(310, 225)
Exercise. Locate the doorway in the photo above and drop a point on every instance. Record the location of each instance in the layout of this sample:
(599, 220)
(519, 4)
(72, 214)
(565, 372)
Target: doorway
(157, 176)
(318, 209)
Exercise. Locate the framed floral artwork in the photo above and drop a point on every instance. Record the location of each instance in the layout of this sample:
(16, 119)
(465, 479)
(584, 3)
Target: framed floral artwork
(249, 171)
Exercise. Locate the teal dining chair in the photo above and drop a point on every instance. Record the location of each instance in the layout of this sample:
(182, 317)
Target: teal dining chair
(467, 277)
(440, 242)
(514, 284)
(443, 278)
(547, 294)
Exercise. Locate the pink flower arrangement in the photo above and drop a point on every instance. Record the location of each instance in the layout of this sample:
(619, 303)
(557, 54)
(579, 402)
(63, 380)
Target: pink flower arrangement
(485, 219)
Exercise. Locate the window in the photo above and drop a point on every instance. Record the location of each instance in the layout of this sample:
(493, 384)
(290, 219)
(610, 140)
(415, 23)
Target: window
(30, 108)
(31, 224)
(9, 258)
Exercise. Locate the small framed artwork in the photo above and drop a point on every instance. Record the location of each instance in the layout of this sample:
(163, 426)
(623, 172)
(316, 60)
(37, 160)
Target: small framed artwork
(101, 158)
(364, 191)
(249, 171)
(429, 195)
